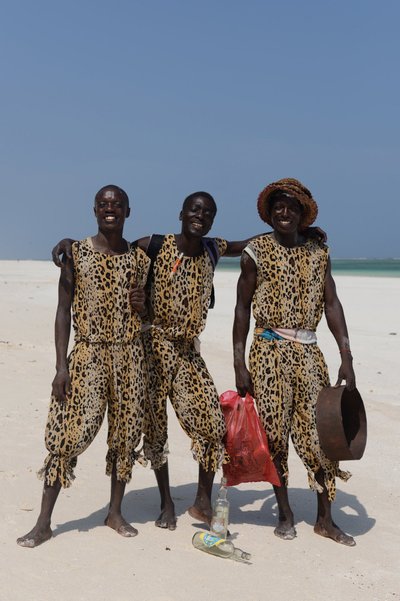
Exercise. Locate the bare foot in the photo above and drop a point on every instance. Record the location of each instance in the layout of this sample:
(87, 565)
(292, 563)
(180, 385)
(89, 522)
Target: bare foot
(285, 530)
(35, 537)
(200, 515)
(332, 531)
(121, 526)
(166, 519)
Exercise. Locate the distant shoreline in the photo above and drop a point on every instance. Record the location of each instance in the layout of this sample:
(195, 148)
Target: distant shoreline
(355, 267)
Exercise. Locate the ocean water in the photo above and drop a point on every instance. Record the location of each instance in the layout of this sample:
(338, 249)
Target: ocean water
(354, 267)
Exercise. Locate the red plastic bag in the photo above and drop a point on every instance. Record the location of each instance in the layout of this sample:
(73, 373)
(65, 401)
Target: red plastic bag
(246, 442)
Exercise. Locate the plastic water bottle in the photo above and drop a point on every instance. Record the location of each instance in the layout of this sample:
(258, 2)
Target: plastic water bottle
(220, 517)
(218, 546)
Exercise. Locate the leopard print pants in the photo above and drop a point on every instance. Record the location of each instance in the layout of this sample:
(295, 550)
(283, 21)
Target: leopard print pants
(177, 370)
(287, 379)
(103, 376)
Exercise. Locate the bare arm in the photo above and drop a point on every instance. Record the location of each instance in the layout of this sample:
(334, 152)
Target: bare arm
(245, 291)
(138, 295)
(62, 383)
(64, 247)
(337, 325)
(137, 299)
(235, 247)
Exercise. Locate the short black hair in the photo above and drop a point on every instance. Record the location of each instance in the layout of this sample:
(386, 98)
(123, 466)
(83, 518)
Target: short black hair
(114, 188)
(201, 194)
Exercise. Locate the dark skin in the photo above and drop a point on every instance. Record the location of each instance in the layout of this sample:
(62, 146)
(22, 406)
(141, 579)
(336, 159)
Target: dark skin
(111, 210)
(286, 217)
(197, 218)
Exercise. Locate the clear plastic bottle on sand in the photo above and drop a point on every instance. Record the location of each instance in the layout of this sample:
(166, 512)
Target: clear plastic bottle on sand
(218, 546)
(220, 517)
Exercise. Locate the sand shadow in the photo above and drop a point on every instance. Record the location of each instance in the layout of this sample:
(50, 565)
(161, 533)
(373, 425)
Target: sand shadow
(347, 510)
(143, 506)
(139, 507)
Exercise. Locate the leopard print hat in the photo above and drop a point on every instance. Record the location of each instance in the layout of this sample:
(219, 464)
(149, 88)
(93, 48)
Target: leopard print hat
(293, 188)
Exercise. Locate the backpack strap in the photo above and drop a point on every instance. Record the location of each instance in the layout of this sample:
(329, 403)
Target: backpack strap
(155, 244)
(211, 248)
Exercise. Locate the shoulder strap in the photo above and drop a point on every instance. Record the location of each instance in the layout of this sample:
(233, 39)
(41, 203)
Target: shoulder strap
(211, 248)
(155, 244)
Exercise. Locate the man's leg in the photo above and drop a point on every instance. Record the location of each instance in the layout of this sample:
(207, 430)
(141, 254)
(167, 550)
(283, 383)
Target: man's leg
(114, 517)
(42, 531)
(196, 404)
(274, 398)
(285, 528)
(66, 429)
(160, 355)
(167, 517)
(125, 426)
(324, 525)
(321, 471)
(202, 509)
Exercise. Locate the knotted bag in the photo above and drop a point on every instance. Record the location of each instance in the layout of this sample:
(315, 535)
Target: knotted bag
(245, 442)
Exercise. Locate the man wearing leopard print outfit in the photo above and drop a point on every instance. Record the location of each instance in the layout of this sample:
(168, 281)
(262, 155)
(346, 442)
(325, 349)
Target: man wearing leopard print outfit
(105, 369)
(287, 281)
(179, 295)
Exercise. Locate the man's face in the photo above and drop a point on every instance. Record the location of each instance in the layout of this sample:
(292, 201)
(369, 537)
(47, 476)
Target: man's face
(286, 214)
(197, 217)
(111, 210)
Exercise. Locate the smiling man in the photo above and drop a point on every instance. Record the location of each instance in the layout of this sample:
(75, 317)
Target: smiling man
(287, 280)
(105, 370)
(179, 299)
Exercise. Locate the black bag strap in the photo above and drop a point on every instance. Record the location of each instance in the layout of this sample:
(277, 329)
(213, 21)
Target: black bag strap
(155, 244)
(211, 247)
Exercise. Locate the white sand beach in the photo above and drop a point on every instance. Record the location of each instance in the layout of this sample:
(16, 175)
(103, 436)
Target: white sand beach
(86, 561)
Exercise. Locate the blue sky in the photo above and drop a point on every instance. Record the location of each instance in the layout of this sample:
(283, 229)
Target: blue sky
(166, 97)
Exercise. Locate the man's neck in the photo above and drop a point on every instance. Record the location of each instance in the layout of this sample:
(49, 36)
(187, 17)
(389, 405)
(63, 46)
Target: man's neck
(289, 240)
(189, 246)
(111, 243)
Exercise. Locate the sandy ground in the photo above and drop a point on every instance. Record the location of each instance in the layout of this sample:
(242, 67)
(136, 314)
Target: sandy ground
(86, 561)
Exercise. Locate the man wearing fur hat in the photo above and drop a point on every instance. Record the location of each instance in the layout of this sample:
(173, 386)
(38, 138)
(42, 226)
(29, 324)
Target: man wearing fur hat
(287, 281)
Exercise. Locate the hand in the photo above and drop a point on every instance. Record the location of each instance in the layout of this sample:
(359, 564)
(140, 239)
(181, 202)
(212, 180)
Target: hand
(346, 373)
(61, 386)
(64, 247)
(244, 383)
(137, 298)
